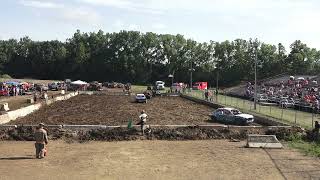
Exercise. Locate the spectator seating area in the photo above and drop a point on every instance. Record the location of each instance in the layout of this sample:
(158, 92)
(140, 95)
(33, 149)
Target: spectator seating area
(300, 92)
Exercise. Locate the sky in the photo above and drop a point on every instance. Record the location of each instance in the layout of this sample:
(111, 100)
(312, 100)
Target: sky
(271, 21)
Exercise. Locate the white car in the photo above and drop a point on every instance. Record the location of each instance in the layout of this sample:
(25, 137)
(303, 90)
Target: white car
(160, 85)
(232, 116)
(141, 98)
(287, 103)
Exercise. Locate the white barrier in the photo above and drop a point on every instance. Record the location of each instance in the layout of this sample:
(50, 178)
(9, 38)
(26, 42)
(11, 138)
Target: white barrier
(13, 115)
(263, 141)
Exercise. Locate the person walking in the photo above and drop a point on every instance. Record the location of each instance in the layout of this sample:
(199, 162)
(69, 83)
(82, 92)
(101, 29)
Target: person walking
(41, 138)
(143, 119)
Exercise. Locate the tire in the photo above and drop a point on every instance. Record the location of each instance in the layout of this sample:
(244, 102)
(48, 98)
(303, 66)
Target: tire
(243, 123)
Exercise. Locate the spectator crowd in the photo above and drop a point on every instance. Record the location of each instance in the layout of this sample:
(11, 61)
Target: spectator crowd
(303, 91)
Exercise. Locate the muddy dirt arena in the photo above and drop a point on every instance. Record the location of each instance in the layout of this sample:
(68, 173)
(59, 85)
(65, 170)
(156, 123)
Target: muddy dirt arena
(143, 159)
(118, 110)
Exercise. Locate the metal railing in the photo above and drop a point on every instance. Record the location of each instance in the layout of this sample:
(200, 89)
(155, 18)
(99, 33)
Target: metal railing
(291, 116)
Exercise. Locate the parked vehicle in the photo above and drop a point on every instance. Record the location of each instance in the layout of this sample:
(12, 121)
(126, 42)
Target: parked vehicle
(148, 94)
(200, 85)
(232, 116)
(177, 87)
(287, 103)
(53, 86)
(141, 98)
(274, 99)
(95, 86)
(4, 91)
(160, 85)
(40, 87)
(261, 98)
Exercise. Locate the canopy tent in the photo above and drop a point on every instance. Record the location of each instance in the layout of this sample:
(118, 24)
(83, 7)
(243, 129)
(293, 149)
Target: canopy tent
(12, 83)
(79, 82)
(301, 78)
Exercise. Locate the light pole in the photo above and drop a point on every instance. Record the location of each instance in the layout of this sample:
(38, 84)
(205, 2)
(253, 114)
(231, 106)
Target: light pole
(255, 76)
(171, 76)
(217, 85)
(191, 70)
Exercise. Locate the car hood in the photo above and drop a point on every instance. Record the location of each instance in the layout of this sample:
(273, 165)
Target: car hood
(247, 116)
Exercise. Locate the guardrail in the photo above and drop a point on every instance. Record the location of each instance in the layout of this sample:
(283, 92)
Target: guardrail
(287, 116)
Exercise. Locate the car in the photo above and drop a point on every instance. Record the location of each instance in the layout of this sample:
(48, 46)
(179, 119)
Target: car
(232, 116)
(177, 87)
(53, 86)
(41, 87)
(148, 94)
(141, 98)
(4, 92)
(261, 98)
(287, 103)
(160, 85)
(200, 86)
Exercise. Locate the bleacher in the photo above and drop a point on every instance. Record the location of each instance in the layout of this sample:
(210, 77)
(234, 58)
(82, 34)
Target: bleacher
(298, 91)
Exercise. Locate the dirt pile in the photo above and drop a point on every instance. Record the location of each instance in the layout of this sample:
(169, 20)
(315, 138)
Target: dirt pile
(123, 134)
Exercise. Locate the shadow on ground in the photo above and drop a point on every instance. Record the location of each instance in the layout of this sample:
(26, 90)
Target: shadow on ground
(17, 158)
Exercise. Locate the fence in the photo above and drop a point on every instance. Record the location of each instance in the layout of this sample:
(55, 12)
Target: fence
(291, 116)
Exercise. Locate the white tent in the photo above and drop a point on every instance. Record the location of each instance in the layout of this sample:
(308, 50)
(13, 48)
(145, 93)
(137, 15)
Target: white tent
(79, 82)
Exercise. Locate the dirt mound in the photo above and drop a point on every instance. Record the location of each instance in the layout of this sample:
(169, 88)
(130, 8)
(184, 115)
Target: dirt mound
(123, 134)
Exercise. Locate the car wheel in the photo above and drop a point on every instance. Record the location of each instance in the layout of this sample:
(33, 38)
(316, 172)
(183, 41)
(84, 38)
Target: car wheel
(243, 123)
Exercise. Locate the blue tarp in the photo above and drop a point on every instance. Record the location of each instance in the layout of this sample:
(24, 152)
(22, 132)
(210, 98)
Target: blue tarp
(14, 83)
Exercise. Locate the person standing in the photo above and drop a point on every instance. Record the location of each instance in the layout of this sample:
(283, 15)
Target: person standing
(41, 138)
(206, 95)
(143, 119)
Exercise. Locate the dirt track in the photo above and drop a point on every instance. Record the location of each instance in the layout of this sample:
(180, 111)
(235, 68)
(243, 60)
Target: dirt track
(118, 110)
(218, 159)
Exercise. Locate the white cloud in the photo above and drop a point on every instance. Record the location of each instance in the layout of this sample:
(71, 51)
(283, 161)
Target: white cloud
(119, 24)
(271, 21)
(80, 15)
(140, 7)
(113, 3)
(64, 12)
(40, 4)
(133, 27)
(158, 26)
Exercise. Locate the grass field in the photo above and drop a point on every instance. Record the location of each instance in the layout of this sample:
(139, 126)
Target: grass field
(141, 89)
(291, 116)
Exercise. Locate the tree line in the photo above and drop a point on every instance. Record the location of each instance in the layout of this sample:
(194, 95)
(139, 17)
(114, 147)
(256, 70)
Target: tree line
(142, 58)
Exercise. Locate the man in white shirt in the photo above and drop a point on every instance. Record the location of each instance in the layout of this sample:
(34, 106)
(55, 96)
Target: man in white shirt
(143, 119)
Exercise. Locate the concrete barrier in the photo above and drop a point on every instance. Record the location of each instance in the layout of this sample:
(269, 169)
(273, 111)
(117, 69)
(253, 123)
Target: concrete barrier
(263, 141)
(13, 115)
(4, 106)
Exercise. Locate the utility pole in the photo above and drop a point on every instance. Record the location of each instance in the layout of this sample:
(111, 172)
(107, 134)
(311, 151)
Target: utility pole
(217, 85)
(191, 70)
(217, 81)
(255, 76)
